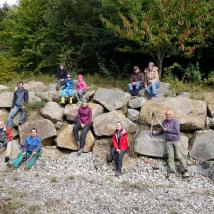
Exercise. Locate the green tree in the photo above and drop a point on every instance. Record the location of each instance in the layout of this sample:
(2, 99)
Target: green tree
(161, 28)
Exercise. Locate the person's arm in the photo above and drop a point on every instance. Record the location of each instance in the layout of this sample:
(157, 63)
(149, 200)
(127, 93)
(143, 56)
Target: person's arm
(156, 74)
(14, 99)
(26, 96)
(89, 120)
(114, 141)
(38, 145)
(9, 134)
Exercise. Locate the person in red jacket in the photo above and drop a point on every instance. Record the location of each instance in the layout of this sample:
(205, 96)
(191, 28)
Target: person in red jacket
(120, 146)
(5, 140)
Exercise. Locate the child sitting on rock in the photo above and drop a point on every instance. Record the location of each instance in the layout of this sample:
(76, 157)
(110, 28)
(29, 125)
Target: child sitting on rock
(67, 89)
(81, 89)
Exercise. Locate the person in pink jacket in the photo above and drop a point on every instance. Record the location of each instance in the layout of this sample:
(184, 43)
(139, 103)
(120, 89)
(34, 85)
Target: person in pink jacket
(80, 88)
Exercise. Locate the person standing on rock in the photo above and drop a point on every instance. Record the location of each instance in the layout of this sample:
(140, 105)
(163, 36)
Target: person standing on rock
(171, 130)
(151, 82)
(5, 140)
(61, 76)
(67, 89)
(137, 80)
(80, 89)
(120, 146)
(20, 100)
(31, 151)
(83, 121)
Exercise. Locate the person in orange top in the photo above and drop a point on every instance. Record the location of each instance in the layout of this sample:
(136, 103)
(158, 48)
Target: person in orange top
(120, 146)
(5, 140)
(151, 82)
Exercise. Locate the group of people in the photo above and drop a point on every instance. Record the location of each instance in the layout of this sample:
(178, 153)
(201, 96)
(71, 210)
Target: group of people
(83, 121)
(148, 80)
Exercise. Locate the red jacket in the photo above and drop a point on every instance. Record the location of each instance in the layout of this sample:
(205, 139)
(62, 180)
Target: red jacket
(122, 142)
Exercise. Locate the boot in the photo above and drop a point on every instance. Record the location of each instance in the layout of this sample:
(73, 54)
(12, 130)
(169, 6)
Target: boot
(62, 100)
(70, 100)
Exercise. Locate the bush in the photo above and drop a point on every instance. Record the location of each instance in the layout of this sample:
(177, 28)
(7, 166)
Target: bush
(210, 79)
(7, 69)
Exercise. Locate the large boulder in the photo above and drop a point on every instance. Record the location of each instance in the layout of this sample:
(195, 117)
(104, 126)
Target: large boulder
(155, 146)
(164, 89)
(66, 140)
(45, 129)
(53, 111)
(35, 86)
(3, 88)
(111, 99)
(190, 113)
(6, 99)
(4, 115)
(133, 115)
(71, 110)
(89, 94)
(105, 124)
(33, 97)
(137, 102)
(51, 152)
(50, 95)
(203, 145)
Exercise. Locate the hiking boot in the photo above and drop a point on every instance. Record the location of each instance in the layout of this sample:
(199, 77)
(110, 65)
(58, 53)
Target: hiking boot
(186, 174)
(79, 152)
(117, 173)
(6, 160)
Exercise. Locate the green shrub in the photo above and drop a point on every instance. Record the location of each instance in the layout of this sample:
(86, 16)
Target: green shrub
(7, 69)
(210, 79)
(35, 106)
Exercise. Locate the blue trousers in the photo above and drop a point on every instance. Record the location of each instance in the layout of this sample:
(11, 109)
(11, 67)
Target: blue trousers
(152, 89)
(67, 91)
(134, 89)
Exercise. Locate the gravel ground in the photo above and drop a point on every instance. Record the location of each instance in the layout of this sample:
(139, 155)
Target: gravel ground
(87, 184)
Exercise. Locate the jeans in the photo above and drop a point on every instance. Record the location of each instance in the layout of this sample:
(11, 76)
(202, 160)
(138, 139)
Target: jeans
(80, 95)
(118, 158)
(134, 89)
(13, 113)
(172, 149)
(152, 89)
(67, 91)
(85, 129)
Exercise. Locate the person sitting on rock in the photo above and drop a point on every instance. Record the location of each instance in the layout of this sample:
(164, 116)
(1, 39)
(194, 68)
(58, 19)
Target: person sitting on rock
(20, 100)
(171, 130)
(61, 76)
(120, 146)
(151, 82)
(67, 89)
(83, 120)
(31, 151)
(80, 89)
(5, 140)
(137, 80)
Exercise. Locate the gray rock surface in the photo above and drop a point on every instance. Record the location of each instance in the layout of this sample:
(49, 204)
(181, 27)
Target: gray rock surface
(6, 99)
(133, 115)
(137, 102)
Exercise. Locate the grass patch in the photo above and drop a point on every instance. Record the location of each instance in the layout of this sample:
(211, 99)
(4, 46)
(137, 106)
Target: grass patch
(34, 208)
(12, 205)
(35, 106)
(53, 179)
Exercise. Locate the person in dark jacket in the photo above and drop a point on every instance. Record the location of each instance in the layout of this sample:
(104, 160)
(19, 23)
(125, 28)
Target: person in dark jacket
(6, 138)
(20, 99)
(137, 80)
(31, 151)
(83, 120)
(61, 76)
(120, 147)
(171, 130)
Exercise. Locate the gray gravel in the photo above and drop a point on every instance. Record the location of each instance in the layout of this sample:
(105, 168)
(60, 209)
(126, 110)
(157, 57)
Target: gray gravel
(87, 184)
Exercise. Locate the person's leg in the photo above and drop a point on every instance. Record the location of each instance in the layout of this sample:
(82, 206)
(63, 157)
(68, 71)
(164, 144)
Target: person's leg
(114, 154)
(179, 155)
(154, 88)
(81, 95)
(63, 95)
(70, 94)
(148, 91)
(58, 85)
(12, 115)
(77, 95)
(120, 160)
(130, 86)
(18, 161)
(23, 116)
(76, 129)
(170, 154)
(8, 151)
(32, 160)
(83, 135)
(137, 88)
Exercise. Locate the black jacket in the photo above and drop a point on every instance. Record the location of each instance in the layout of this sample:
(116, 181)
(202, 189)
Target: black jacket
(61, 74)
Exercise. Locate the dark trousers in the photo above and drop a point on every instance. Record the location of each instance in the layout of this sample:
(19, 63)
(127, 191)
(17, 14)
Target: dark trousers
(76, 128)
(118, 158)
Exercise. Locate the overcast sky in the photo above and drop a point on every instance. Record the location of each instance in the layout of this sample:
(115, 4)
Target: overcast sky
(10, 2)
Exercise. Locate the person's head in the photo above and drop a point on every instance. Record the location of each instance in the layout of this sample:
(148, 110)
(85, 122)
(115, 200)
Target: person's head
(1, 124)
(169, 114)
(136, 69)
(69, 76)
(80, 77)
(61, 66)
(119, 125)
(20, 85)
(151, 65)
(33, 132)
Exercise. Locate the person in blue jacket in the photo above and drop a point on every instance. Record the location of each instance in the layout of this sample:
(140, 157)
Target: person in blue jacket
(31, 151)
(67, 89)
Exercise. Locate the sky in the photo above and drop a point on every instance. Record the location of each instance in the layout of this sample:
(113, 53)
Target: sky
(10, 2)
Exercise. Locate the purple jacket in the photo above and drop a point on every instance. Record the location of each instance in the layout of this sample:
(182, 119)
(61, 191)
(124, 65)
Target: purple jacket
(173, 130)
(84, 115)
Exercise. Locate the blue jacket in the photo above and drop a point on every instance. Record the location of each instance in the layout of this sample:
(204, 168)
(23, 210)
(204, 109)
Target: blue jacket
(32, 144)
(172, 132)
(69, 84)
